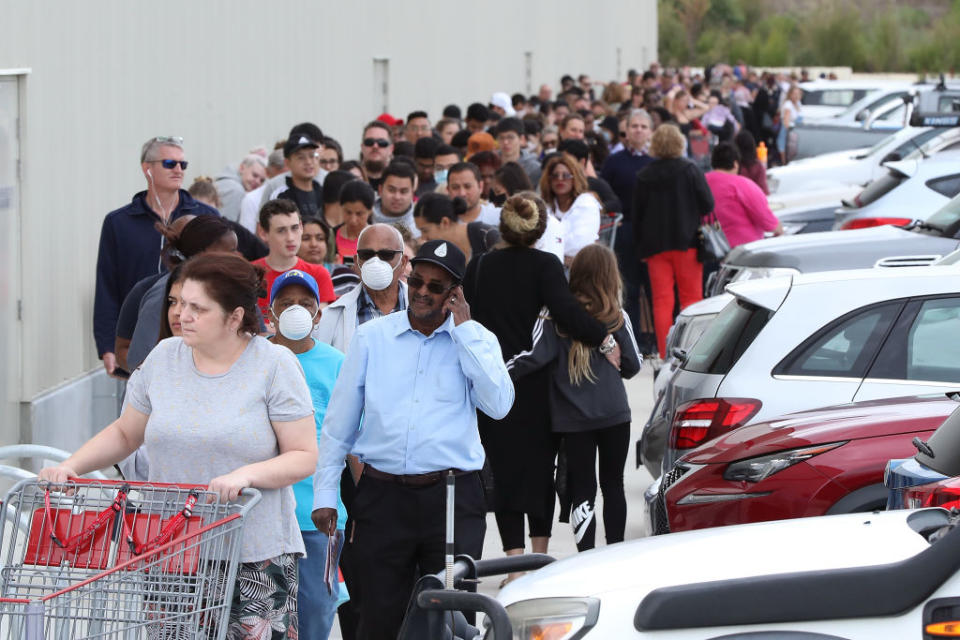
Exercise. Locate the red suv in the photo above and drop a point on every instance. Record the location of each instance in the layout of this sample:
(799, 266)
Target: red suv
(813, 463)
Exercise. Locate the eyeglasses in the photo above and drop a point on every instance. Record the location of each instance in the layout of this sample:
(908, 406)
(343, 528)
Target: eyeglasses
(329, 162)
(177, 140)
(384, 254)
(561, 177)
(170, 164)
(380, 142)
(416, 283)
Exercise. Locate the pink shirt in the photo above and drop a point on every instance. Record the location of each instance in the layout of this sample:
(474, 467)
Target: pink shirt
(740, 207)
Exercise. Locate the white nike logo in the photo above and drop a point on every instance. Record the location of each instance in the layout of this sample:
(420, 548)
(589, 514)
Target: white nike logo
(580, 519)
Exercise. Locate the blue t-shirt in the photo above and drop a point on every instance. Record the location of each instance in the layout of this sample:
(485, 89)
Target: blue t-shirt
(321, 366)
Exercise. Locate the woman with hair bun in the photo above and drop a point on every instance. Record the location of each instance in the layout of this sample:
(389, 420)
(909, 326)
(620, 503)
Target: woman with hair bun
(224, 408)
(506, 289)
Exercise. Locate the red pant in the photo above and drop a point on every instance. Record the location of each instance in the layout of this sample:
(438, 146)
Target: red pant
(666, 269)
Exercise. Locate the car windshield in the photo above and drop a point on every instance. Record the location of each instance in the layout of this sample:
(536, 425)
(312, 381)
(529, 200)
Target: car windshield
(947, 216)
(726, 338)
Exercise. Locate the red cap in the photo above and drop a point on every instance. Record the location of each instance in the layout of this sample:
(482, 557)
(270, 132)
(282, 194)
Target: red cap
(389, 120)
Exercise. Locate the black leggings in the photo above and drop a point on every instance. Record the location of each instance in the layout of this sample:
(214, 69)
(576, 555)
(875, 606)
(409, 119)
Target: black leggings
(510, 524)
(612, 443)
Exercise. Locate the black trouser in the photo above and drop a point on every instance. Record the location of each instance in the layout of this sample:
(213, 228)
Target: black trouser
(347, 613)
(510, 525)
(399, 534)
(582, 448)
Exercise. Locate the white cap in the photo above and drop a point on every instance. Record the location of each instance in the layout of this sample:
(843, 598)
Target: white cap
(502, 100)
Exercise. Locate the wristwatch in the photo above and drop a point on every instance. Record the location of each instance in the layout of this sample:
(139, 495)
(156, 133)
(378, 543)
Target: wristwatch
(607, 345)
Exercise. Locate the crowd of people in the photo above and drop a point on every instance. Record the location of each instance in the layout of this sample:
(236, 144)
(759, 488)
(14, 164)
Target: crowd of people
(464, 297)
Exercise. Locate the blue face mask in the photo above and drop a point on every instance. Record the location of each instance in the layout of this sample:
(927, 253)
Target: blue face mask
(440, 177)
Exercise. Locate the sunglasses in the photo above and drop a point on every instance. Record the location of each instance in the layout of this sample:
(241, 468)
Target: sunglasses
(177, 140)
(380, 142)
(170, 164)
(416, 282)
(561, 176)
(384, 254)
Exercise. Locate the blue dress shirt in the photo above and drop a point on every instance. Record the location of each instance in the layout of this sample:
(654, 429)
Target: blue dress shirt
(417, 396)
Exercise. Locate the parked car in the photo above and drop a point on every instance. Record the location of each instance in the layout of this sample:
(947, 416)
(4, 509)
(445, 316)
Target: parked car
(911, 189)
(928, 477)
(796, 343)
(812, 463)
(854, 577)
(915, 244)
(686, 330)
(828, 98)
(832, 177)
(871, 119)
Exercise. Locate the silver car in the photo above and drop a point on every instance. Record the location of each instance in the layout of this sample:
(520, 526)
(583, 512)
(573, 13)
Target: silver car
(788, 344)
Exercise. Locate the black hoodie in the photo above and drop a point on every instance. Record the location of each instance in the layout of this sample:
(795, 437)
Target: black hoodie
(670, 198)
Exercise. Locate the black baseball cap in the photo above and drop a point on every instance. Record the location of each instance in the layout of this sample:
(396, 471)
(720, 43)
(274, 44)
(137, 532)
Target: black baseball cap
(294, 144)
(444, 254)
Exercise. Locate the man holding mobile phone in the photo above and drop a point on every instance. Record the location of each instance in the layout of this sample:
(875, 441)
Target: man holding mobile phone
(416, 380)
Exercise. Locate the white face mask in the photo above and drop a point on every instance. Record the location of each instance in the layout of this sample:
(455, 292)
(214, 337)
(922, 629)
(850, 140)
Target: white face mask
(377, 274)
(295, 322)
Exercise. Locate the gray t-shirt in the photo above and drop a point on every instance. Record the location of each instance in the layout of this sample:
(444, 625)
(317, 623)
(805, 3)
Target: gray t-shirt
(202, 426)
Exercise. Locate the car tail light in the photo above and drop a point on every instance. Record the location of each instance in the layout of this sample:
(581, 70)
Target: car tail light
(701, 420)
(863, 223)
(945, 493)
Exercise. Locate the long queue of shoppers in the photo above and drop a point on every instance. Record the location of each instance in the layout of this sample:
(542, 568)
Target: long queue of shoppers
(343, 334)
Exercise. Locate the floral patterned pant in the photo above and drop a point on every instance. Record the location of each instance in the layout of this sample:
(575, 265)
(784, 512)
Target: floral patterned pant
(264, 603)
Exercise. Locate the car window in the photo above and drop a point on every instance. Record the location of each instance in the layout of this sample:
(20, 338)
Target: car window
(948, 186)
(914, 144)
(727, 337)
(832, 97)
(893, 115)
(922, 346)
(843, 348)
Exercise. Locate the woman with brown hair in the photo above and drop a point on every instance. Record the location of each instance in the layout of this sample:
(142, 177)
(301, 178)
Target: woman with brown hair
(563, 186)
(669, 201)
(506, 289)
(222, 407)
(588, 402)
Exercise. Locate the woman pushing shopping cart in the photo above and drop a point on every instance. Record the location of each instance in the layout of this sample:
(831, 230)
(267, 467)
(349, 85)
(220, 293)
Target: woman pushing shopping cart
(227, 410)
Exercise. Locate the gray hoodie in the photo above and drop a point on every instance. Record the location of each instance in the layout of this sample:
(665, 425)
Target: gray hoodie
(378, 216)
(230, 189)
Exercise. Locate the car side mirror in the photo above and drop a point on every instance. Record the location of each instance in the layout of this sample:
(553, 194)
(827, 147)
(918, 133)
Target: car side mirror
(862, 115)
(893, 156)
(679, 354)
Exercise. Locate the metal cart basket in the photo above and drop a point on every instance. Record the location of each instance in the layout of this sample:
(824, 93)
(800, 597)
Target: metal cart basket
(108, 559)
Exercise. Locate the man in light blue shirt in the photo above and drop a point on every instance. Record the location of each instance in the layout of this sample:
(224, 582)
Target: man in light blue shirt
(417, 379)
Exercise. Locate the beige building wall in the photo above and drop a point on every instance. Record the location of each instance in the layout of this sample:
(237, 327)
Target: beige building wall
(228, 76)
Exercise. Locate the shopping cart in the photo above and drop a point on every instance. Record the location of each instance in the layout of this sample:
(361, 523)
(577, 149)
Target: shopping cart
(608, 229)
(110, 559)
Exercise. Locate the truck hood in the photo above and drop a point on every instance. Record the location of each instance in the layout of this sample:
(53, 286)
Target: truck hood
(832, 250)
(871, 419)
(630, 570)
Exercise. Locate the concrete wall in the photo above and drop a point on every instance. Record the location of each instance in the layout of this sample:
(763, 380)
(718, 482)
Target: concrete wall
(227, 76)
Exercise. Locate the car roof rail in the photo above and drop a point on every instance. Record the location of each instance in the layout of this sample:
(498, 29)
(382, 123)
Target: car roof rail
(829, 594)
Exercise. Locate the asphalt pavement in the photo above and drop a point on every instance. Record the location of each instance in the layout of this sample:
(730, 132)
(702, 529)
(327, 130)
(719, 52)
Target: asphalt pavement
(640, 394)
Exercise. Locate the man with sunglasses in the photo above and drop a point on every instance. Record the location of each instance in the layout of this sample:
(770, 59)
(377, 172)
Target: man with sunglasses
(376, 151)
(130, 245)
(379, 252)
(416, 380)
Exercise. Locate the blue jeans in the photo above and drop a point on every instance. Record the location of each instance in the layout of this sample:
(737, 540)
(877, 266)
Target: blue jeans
(316, 606)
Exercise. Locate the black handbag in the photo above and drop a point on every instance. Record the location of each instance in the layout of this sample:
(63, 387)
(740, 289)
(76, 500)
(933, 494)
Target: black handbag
(712, 243)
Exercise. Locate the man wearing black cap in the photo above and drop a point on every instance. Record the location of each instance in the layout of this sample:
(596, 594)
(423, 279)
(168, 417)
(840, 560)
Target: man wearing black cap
(416, 379)
(300, 154)
(278, 183)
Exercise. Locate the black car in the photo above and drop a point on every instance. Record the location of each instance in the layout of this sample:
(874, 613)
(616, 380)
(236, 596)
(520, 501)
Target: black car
(917, 244)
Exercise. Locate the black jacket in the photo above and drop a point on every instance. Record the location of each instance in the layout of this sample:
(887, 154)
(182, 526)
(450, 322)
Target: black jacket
(669, 200)
(589, 405)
